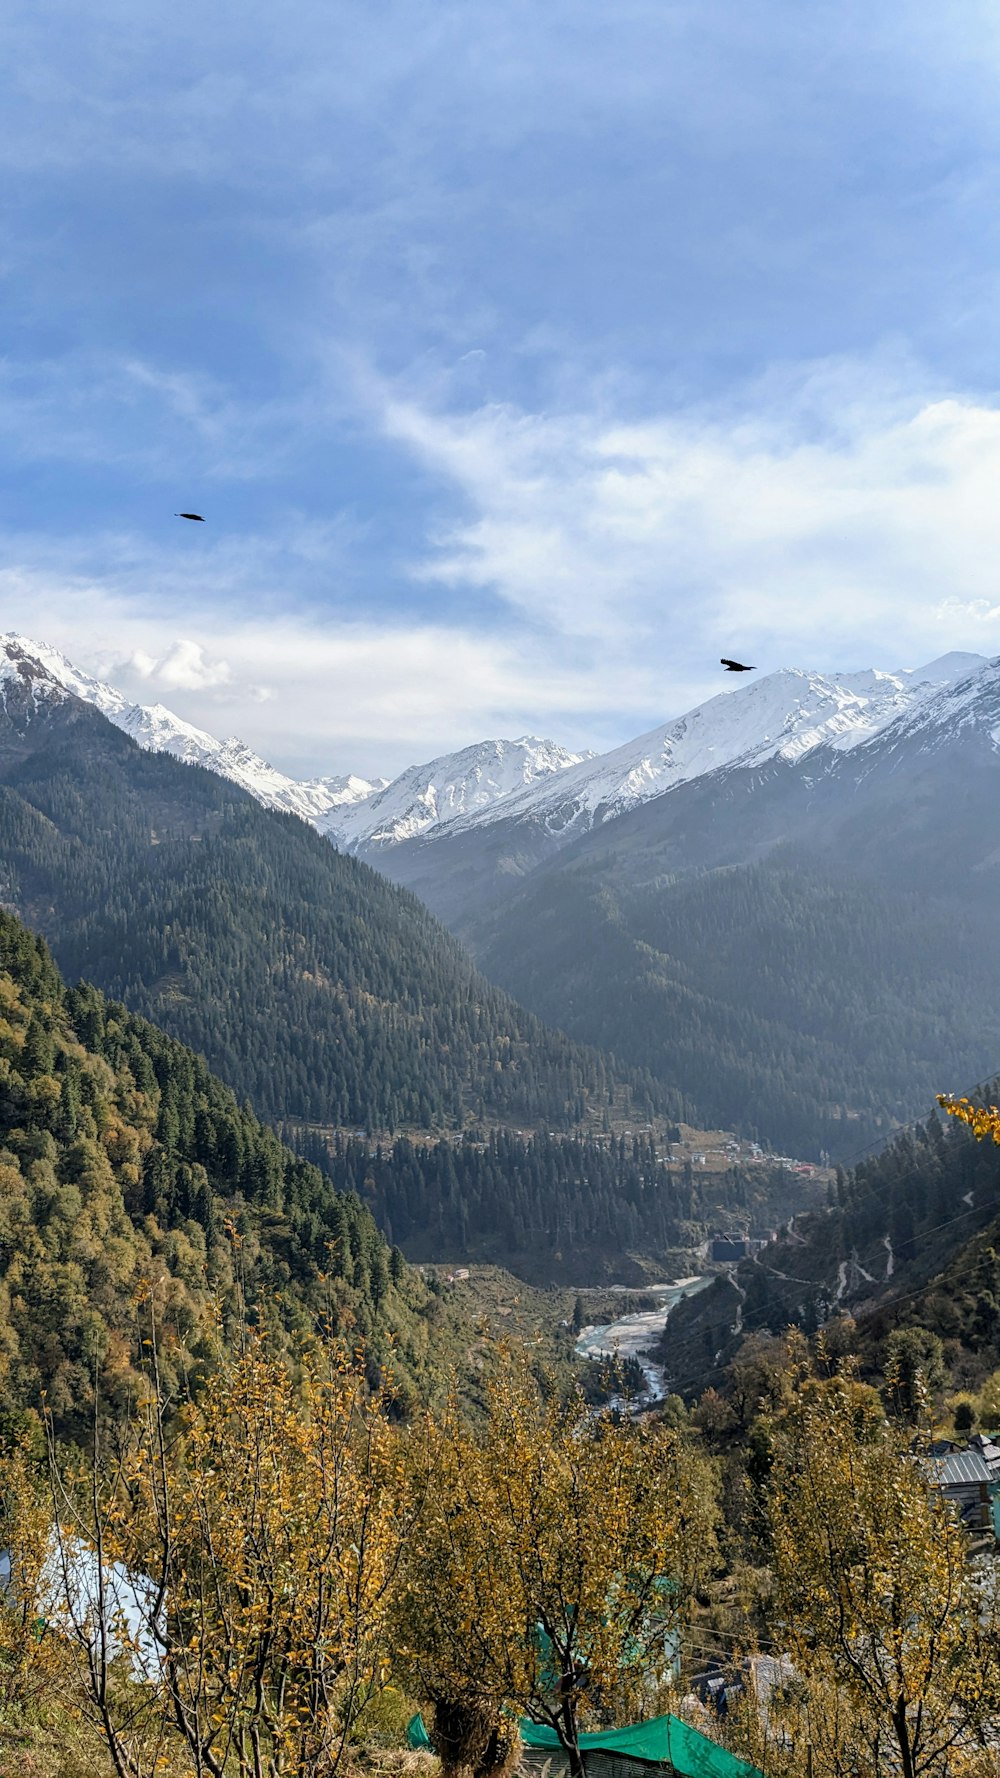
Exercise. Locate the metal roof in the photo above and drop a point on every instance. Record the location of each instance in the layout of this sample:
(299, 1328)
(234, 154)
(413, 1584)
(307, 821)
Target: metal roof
(960, 1467)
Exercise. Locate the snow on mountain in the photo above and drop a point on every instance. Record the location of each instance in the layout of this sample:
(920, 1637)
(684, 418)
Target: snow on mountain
(160, 731)
(337, 793)
(784, 715)
(970, 702)
(471, 782)
(23, 687)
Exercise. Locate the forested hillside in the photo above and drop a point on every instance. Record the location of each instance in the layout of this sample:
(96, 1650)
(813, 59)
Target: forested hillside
(312, 985)
(808, 1006)
(804, 947)
(127, 1168)
(910, 1239)
(547, 1206)
(332, 1000)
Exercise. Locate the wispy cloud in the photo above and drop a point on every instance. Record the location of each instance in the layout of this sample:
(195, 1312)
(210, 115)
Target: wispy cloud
(597, 564)
(312, 691)
(845, 512)
(626, 273)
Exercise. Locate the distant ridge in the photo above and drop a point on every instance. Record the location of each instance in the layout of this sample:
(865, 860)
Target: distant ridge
(356, 813)
(786, 715)
(160, 730)
(535, 783)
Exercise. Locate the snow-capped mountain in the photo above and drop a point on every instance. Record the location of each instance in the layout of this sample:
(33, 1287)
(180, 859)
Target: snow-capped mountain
(784, 715)
(25, 686)
(532, 782)
(811, 898)
(473, 782)
(970, 703)
(356, 813)
(159, 730)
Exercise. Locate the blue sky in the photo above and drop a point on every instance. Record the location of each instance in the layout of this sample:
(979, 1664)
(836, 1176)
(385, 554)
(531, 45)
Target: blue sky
(523, 359)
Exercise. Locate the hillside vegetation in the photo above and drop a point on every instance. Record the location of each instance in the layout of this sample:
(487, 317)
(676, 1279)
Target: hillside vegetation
(334, 1002)
(549, 1206)
(806, 1006)
(311, 985)
(127, 1168)
(910, 1240)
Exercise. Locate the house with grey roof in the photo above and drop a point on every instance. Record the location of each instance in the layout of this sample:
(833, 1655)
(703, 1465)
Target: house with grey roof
(965, 1480)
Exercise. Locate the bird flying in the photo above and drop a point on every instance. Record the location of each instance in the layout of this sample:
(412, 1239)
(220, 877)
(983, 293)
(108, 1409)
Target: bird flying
(190, 515)
(736, 667)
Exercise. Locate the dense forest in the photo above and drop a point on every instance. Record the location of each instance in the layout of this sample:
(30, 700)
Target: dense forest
(793, 1001)
(126, 1167)
(312, 986)
(910, 1239)
(534, 1202)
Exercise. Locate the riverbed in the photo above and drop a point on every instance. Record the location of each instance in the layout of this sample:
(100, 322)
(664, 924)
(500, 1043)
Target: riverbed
(631, 1336)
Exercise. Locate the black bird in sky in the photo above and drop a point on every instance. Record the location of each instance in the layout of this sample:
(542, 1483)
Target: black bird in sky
(190, 515)
(736, 667)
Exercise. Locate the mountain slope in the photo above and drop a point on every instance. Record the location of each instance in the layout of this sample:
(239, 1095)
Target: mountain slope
(787, 717)
(309, 982)
(910, 1239)
(356, 813)
(161, 731)
(805, 947)
(125, 1168)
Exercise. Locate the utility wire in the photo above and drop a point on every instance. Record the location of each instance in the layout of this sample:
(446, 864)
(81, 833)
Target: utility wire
(766, 1314)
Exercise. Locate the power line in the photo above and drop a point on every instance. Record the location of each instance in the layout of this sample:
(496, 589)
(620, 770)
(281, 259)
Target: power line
(766, 1314)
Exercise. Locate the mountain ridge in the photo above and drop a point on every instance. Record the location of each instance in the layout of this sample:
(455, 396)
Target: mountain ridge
(159, 730)
(355, 813)
(539, 783)
(803, 947)
(310, 982)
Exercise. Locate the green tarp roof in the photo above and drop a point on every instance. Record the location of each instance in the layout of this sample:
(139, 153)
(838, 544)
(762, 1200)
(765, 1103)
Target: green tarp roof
(664, 1741)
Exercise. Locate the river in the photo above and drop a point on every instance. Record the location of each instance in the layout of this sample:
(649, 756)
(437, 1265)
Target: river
(632, 1335)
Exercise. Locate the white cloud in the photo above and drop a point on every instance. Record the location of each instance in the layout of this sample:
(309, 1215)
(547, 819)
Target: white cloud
(829, 520)
(597, 563)
(311, 691)
(184, 667)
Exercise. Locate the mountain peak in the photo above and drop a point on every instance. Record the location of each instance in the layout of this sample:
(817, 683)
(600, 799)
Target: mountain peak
(160, 730)
(784, 715)
(946, 669)
(26, 683)
(468, 783)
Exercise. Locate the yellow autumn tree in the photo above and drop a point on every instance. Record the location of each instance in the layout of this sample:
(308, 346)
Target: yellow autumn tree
(29, 1658)
(983, 1120)
(875, 1601)
(270, 1518)
(557, 1555)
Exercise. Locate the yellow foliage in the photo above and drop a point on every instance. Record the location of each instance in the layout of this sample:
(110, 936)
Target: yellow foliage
(275, 1517)
(875, 1599)
(983, 1120)
(557, 1551)
(27, 1654)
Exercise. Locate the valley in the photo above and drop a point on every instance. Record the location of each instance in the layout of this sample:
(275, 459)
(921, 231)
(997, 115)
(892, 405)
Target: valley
(774, 912)
(499, 887)
(490, 1212)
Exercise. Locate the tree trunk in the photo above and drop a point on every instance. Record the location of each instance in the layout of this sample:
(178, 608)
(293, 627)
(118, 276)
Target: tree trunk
(902, 1730)
(569, 1735)
(577, 1768)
